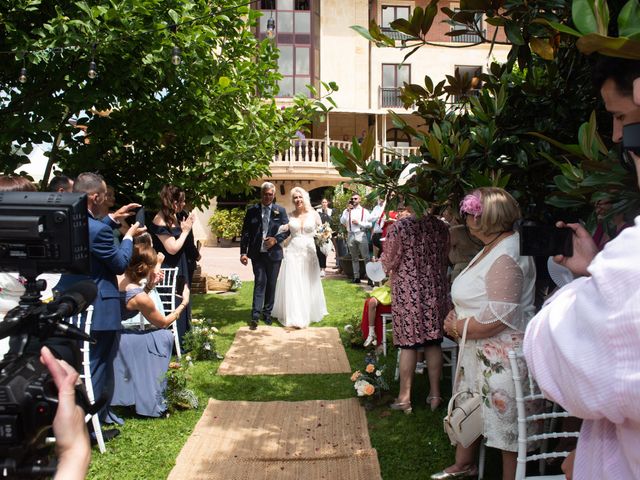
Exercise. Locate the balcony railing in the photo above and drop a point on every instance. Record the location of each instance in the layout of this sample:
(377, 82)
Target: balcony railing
(313, 154)
(390, 97)
(469, 38)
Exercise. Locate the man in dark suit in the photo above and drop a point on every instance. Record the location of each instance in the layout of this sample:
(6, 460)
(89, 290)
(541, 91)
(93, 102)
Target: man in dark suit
(107, 261)
(260, 242)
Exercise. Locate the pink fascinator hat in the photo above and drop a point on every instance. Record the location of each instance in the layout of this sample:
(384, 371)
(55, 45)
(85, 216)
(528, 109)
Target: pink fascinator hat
(471, 204)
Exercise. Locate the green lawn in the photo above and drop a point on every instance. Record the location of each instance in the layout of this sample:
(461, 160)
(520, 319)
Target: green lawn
(409, 446)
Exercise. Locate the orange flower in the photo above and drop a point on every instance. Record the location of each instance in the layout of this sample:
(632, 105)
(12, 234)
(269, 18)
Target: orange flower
(370, 368)
(369, 389)
(356, 375)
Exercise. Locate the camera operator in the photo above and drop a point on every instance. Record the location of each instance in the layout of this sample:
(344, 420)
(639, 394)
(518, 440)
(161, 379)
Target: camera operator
(355, 218)
(583, 346)
(107, 261)
(72, 439)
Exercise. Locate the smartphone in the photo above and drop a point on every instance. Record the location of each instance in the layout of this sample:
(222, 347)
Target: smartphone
(545, 241)
(138, 217)
(630, 143)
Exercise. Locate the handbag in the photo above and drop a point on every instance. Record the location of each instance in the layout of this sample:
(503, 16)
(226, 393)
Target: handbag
(463, 423)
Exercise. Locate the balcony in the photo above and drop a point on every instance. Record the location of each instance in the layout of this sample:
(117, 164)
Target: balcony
(390, 97)
(469, 37)
(309, 158)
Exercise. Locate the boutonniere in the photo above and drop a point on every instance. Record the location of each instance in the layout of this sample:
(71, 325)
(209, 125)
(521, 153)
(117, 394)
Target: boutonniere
(275, 213)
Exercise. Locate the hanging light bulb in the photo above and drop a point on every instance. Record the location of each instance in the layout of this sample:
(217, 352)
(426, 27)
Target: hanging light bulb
(23, 75)
(176, 58)
(93, 70)
(271, 27)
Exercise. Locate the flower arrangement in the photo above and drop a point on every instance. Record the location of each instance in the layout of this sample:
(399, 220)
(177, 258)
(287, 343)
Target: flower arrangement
(224, 283)
(369, 381)
(177, 395)
(323, 238)
(200, 340)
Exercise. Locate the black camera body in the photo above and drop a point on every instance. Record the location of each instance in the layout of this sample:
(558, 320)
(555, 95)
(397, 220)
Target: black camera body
(545, 240)
(39, 232)
(352, 203)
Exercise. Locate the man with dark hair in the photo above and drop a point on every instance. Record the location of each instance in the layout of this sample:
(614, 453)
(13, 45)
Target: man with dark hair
(107, 261)
(61, 184)
(583, 346)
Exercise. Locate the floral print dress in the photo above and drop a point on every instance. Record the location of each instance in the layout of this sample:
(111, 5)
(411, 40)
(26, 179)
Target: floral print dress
(496, 288)
(415, 254)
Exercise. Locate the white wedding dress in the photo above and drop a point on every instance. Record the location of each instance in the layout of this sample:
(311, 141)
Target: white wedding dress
(299, 299)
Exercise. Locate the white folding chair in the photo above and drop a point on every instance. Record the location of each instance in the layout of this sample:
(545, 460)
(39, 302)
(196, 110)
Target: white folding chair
(548, 418)
(167, 291)
(386, 317)
(449, 359)
(83, 322)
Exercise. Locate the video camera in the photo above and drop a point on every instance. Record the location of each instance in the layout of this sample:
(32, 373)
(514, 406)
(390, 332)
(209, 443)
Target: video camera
(39, 232)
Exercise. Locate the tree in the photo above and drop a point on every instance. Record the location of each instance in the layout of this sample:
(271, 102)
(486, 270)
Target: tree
(514, 132)
(209, 123)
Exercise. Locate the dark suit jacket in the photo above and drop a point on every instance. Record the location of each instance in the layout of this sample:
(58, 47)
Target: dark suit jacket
(107, 261)
(251, 239)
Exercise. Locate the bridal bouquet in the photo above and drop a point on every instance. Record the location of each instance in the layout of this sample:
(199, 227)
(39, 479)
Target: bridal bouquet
(323, 238)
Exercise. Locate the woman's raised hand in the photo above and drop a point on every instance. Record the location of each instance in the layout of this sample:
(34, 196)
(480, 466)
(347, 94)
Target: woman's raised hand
(187, 224)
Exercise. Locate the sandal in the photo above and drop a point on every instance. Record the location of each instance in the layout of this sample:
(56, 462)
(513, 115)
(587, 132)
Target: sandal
(403, 406)
(438, 404)
(371, 340)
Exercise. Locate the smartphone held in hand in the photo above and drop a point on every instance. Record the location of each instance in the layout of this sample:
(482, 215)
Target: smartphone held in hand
(137, 217)
(545, 241)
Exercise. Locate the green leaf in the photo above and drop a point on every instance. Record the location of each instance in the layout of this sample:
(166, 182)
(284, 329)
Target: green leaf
(403, 25)
(513, 32)
(174, 16)
(614, 47)
(542, 48)
(583, 16)
(629, 19)
(495, 21)
(224, 82)
(368, 144)
(363, 32)
(429, 15)
(560, 27)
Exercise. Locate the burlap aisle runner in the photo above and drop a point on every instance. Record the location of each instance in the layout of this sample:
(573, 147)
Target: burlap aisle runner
(281, 351)
(309, 440)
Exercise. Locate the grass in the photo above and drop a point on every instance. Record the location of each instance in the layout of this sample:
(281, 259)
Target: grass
(409, 446)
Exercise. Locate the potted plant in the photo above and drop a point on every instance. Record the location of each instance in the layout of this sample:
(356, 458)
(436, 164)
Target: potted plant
(226, 224)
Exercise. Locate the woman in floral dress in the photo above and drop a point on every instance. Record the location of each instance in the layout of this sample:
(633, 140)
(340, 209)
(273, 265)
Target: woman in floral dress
(415, 258)
(495, 293)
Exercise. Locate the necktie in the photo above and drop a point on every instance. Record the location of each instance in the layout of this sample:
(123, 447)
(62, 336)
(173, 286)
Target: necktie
(265, 221)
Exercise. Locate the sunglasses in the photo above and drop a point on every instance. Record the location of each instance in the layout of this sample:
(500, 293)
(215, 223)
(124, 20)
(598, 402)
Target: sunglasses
(355, 198)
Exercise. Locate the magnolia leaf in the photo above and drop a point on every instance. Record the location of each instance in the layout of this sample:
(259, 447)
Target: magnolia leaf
(404, 26)
(368, 144)
(559, 27)
(615, 47)
(584, 17)
(495, 21)
(542, 48)
(364, 32)
(629, 19)
(429, 15)
(513, 32)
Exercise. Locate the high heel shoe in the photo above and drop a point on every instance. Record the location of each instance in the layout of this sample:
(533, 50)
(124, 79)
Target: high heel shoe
(438, 404)
(469, 473)
(402, 406)
(371, 340)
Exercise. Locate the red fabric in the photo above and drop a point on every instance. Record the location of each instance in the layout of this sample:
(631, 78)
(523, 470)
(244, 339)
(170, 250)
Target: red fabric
(364, 325)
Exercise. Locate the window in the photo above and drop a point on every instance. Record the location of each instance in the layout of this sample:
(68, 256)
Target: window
(294, 21)
(468, 37)
(389, 13)
(394, 76)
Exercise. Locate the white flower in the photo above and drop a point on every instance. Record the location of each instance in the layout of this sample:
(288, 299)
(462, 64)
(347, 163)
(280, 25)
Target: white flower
(348, 328)
(215, 330)
(188, 358)
(210, 337)
(378, 373)
(207, 346)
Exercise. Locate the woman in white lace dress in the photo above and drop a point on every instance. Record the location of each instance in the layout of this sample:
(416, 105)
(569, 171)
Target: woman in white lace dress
(495, 292)
(299, 299)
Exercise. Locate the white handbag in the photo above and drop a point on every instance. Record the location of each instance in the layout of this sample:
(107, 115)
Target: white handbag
(463, 423)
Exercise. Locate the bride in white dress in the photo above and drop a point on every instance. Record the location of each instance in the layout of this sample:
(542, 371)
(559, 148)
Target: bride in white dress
(299, 299)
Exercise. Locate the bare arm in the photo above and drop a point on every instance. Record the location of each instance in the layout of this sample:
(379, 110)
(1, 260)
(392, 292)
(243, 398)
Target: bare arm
(173, 245)
(145, 305)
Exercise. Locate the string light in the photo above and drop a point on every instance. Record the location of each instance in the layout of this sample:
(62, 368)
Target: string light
(93, 69)
(23, 75)
(176, 59)
(271, 27)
